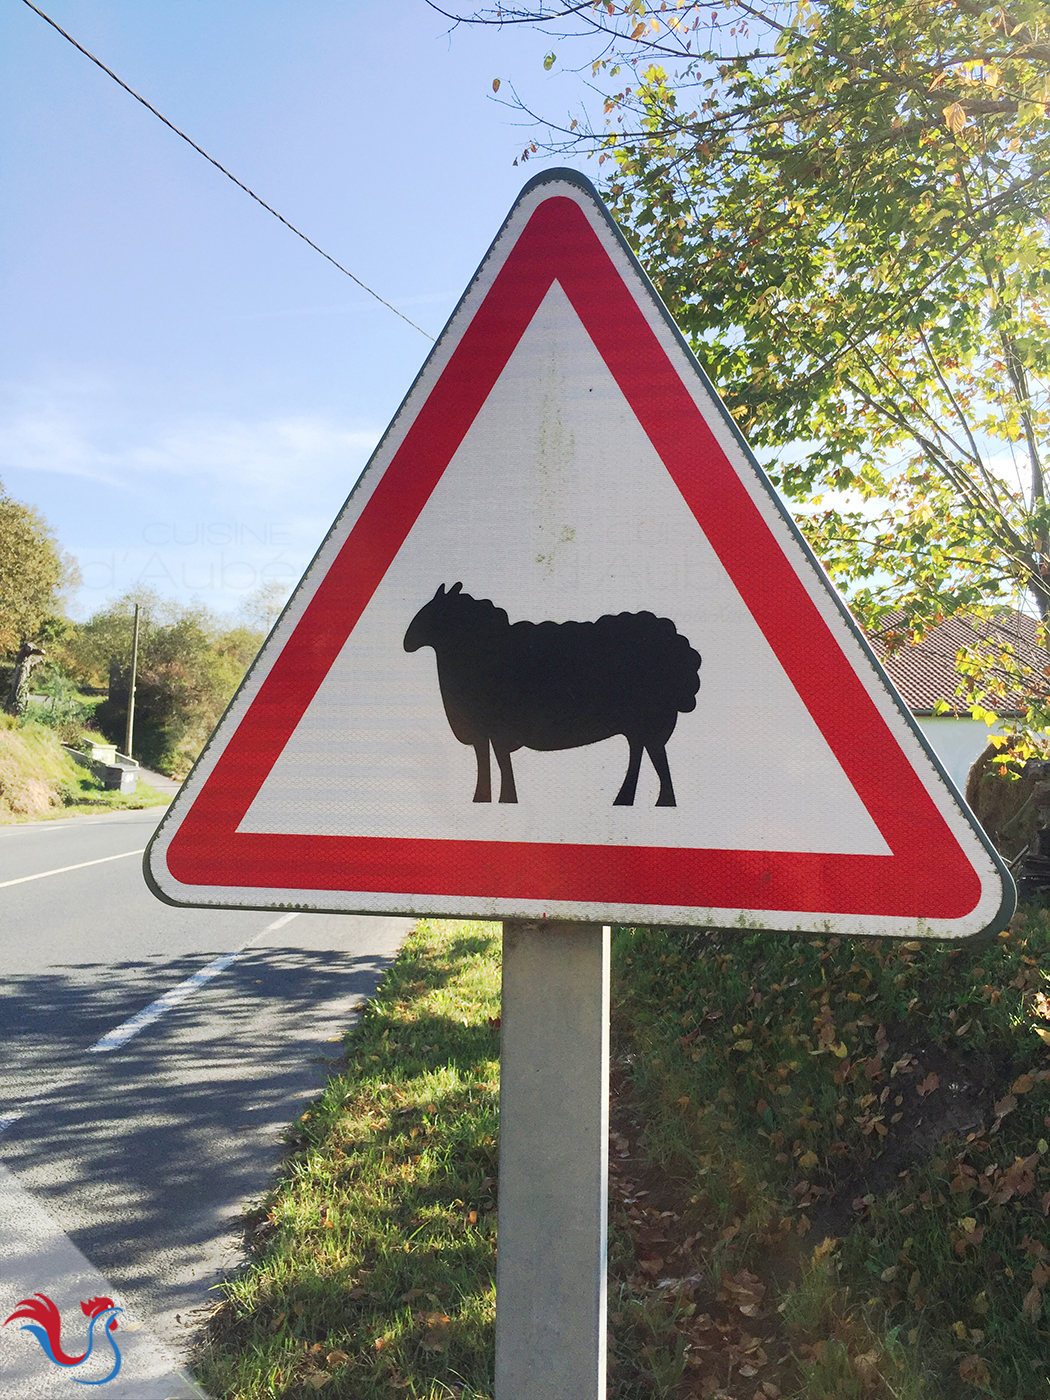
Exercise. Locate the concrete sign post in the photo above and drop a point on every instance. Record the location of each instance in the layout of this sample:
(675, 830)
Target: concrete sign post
(554, 1162)
(565, 659)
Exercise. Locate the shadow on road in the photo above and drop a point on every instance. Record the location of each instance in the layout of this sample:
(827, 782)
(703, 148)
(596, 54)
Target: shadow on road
(145, 1154)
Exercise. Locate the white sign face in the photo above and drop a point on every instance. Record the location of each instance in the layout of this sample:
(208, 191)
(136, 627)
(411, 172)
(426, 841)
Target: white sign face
(564, 654)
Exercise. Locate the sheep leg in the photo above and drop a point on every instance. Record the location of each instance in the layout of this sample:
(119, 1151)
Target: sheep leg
(625, 797)
(483, 791)
(507, 791)
(658, 754)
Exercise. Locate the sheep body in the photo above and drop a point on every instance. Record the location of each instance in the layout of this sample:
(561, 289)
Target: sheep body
(557, 685)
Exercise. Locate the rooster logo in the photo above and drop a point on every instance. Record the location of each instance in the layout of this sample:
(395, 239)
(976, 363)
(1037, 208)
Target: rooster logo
(46, 1327)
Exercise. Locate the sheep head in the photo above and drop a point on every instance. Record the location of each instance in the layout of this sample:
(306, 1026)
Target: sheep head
(427, 623)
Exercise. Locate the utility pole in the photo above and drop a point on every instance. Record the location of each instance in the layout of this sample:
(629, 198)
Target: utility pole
(131, 688)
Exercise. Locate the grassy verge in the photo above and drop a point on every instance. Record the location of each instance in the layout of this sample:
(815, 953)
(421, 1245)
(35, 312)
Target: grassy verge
(375, 1256)
(834, 1170)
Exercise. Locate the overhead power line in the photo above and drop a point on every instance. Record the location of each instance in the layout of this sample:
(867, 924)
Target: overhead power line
(239, 183)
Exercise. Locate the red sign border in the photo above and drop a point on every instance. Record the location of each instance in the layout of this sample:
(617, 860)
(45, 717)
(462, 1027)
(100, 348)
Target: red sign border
(927, 875)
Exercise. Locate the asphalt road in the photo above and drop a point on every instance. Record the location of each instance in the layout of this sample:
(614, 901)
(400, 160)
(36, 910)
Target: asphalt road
(145, 1154)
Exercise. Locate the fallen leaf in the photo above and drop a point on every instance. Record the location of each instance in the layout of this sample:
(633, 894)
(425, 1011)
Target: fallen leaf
(337, 1358)
(1033, 1303)
(1022, 1084)
(318, 1379)
(828, 1245)
(867, 1366)
(973, 1236)
(807, 1160)
(972, 1368)
(1005, 1105)
(929, 1084)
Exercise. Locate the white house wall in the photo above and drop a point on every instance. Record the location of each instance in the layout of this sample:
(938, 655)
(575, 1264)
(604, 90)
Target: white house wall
(958, 743)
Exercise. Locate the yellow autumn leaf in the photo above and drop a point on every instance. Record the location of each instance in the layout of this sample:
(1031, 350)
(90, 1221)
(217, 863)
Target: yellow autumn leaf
(828, 1245)
(744, 1045)
(808, 1159)
(954, 118)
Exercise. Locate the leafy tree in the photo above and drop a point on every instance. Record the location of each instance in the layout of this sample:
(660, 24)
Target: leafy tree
(189, 666)
(844, 204)
(34, 576)
(262, 607)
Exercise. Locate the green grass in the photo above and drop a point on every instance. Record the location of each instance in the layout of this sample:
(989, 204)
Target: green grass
(375, 1273)
(830, 1179)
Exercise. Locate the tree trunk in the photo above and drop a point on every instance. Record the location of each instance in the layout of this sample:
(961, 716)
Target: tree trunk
(29, 655)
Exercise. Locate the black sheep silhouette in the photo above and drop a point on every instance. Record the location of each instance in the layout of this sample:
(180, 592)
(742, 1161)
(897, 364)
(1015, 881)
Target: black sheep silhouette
(557, 685)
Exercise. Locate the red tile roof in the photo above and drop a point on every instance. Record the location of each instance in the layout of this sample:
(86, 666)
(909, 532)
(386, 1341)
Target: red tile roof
(924, 672)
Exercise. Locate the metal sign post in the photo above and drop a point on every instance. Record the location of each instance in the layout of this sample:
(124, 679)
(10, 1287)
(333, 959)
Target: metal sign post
(553, 1162)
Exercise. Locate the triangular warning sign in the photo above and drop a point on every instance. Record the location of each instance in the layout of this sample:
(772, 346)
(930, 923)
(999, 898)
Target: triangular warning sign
(564, 654)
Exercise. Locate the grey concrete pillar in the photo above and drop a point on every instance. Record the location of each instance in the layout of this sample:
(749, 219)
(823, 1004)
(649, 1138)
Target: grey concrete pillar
(553, 1162)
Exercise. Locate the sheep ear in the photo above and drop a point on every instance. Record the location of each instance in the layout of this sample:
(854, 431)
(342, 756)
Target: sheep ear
(441, 591)
(456, 588)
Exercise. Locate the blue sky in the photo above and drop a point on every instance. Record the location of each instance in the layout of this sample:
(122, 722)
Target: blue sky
(187, 391)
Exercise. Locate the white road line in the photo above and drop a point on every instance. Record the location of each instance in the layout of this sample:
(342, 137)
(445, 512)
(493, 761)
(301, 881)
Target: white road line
(157, 1008)
(61, 870)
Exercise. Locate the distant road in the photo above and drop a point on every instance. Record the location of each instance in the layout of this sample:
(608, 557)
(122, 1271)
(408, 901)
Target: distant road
(145, 1149)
